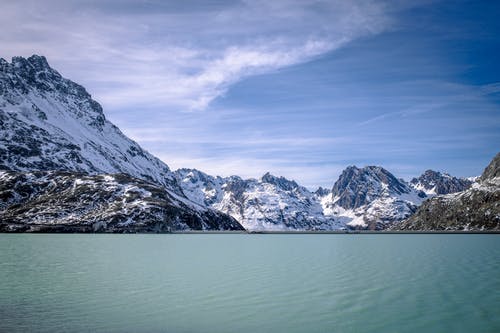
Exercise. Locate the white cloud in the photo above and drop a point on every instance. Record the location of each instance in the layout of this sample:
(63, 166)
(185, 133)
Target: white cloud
(175, 56)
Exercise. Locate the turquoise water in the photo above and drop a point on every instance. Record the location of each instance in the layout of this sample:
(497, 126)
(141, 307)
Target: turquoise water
(249, 283)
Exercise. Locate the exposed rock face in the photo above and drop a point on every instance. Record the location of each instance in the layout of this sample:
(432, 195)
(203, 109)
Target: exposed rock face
(477, 208)
(492, 171)
(433, 182)
(48, 122)
(61, 201)
(370, 198)
(358, 187)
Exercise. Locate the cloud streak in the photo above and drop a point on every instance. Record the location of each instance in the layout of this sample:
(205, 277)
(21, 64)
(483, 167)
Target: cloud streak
(175, 56)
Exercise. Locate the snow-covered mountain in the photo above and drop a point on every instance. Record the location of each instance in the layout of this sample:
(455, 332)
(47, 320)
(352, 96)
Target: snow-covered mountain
(476, 208)
(52, 125)
(370, 197)
(48, 122)
(433, 182)
(268, 203)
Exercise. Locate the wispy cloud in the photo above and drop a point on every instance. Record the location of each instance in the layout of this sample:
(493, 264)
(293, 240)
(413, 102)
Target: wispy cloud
(180, 56)
(295, 87)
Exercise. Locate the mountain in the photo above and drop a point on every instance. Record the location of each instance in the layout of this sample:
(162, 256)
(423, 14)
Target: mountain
(370, 198)
(48, 122)
(67, 168)
(54, 137)
(362, 198)
(63, 201)
(433, 182)
(477, 208)
(268, 203)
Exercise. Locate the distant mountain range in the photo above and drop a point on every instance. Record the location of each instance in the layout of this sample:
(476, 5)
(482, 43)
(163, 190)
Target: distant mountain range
(67, 168)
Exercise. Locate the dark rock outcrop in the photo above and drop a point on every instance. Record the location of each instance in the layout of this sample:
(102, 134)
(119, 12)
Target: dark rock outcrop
(61, 201)
(477, 208)
(433, 182)
(357, 187)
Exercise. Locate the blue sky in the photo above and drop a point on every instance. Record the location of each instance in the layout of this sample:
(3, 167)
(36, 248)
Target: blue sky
(298, 88)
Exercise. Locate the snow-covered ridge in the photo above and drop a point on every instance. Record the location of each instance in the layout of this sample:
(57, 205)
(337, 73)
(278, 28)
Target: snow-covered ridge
(268, 203)
(369, 197)
(48, 122)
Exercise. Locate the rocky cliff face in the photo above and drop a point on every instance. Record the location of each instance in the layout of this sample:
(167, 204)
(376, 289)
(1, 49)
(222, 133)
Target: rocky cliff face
(67, 168)
(357, 187)
(433, 182)
(370, 198)
(477, 208)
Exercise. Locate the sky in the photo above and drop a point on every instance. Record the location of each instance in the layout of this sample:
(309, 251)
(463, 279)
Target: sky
(299, 88)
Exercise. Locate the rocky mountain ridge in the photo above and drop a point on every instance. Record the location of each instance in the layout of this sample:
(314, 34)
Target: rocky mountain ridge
(268, 203)
(433, 182)
(474, 209)
(369, 197)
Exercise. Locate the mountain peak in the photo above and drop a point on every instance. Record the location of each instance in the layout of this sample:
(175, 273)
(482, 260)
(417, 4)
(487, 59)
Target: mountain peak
(359, 186)
(282, 182)
(48, 122)
(435, 182)
(36, 62)
(321, 191)
(492, 170)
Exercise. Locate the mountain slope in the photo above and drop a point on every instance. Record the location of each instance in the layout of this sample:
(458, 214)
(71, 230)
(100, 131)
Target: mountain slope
(65, 201)
(48, 122)
(477, 208)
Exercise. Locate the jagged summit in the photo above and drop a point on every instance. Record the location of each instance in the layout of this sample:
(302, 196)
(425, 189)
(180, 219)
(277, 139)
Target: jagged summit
(359, 186)
(321, 192)
(434, 182)
(36, 61)
(282, 182)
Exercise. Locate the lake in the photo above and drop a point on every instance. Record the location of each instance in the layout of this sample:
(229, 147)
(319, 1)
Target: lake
(249, 283)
